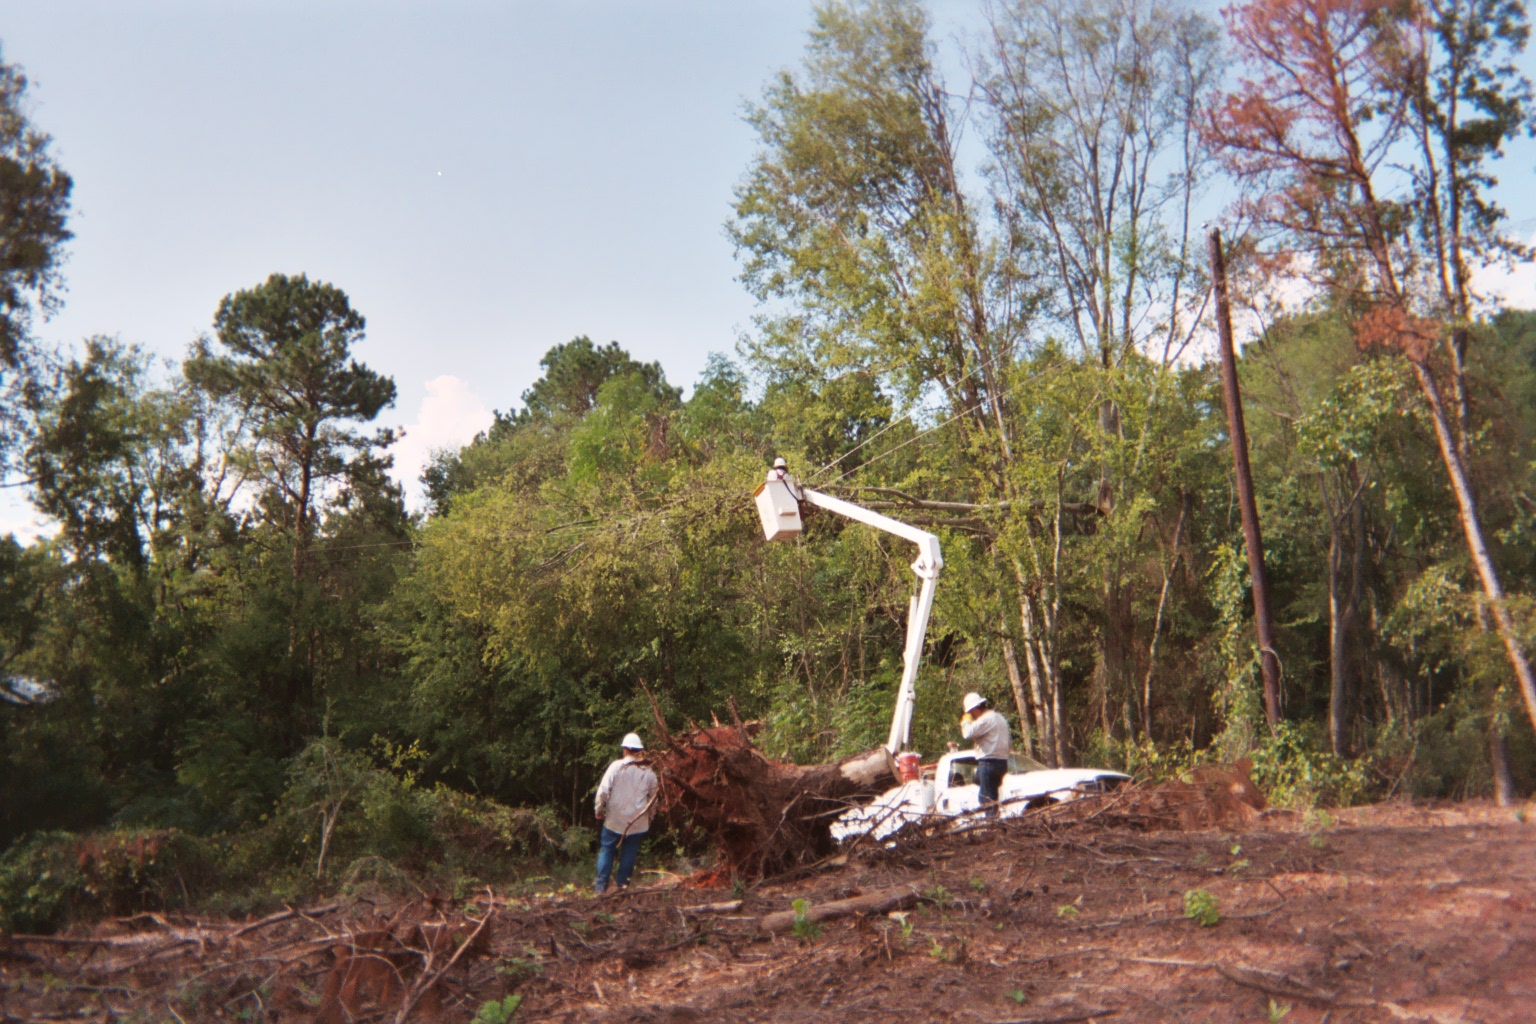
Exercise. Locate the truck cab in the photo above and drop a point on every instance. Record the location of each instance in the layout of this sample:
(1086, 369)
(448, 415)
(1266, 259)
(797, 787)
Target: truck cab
(1028, 784)
(948, 789)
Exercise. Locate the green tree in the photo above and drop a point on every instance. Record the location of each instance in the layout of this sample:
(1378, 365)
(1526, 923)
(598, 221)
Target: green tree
(285, 355)
(34, 207)
(108, 454)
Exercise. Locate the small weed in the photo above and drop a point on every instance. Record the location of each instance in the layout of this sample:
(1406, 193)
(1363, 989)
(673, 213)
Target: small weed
(738, 888)
(979, 885)
(581, 928)
(906, 929)
(516, 969)
(603, 917)
(1202, 908)
(1277, 1012)
(1318, 841)
(1237, 848)
(805, 928)
(940, 895)
(1238, 865)
(1018, 996)
(937, 951)
(498, 1011)
(1066, 910)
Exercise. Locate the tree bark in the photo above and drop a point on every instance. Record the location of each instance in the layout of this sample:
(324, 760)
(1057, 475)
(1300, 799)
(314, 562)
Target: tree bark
(1498, 754)
(1017, 683)
(1472, 527)
(1337, 694)
(1157, 623)
(1252, 539)
(1039, 667)
(878, 902)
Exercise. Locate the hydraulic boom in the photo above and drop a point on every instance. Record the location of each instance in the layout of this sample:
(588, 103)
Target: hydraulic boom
(778, 506)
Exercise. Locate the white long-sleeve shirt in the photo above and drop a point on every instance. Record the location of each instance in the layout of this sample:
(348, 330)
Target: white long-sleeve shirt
(990, 731)
(624, 797)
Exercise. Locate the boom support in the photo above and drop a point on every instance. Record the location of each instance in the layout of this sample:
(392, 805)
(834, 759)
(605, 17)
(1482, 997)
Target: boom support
(778, 505)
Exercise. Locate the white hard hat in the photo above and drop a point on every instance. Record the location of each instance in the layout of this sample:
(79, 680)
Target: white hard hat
(973, 700)
(631, 741)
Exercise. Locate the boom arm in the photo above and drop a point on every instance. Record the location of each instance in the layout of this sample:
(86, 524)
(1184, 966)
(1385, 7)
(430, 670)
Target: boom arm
(778, 501)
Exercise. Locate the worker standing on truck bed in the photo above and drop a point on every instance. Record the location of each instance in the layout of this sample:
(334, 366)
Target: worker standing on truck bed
(989, 731)
(624, 800)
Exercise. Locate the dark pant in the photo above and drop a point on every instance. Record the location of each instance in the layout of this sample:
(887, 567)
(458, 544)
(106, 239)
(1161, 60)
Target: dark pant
(628, 847)
(989, 776)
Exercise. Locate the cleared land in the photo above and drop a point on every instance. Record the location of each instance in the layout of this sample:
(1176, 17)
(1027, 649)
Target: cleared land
(1394, 913)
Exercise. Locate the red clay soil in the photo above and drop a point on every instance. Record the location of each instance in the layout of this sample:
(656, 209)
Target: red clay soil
(1392, 913)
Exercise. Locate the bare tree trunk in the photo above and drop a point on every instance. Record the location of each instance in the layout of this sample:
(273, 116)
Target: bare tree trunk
(1038, 666)
(1473, 528)
(1498, 754)
(1157, 623)
(1059, 745)
(1337, 690)
(1014, 680)
(1036, 656)
(1252, 539)
(1352, 618)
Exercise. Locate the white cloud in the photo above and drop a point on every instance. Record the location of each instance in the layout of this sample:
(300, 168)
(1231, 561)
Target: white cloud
(1509, 287)
(449, 417)
(17, 516)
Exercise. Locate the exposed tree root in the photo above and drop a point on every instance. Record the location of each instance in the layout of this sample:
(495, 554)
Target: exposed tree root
(765, 816)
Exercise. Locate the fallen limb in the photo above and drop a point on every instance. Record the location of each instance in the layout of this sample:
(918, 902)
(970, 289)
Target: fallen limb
(728, 907)
(1271, 982)
(283, 915)
(895, 898)
(429, 978)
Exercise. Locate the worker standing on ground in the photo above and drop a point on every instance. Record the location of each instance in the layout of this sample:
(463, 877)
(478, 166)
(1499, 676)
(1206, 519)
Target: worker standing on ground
(989, 731)
(624, 800)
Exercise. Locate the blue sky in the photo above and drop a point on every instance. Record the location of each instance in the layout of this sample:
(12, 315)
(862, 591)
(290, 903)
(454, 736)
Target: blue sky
(484, 179)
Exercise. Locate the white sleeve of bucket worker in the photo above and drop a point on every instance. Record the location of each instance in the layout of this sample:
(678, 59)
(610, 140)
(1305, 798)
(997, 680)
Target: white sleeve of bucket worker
(990, 732)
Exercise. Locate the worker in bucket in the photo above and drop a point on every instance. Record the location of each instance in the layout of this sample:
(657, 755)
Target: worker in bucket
(624, 800)
(988, 729)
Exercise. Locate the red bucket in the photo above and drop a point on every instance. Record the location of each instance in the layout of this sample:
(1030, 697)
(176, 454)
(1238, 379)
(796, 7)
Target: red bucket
(909, 767)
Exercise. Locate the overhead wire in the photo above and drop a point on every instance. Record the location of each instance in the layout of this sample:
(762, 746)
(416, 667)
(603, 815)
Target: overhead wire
(950, 419)
(895, 423)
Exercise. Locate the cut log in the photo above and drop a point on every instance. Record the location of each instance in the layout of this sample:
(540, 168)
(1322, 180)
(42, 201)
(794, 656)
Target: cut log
(897, 897)
(706, 909)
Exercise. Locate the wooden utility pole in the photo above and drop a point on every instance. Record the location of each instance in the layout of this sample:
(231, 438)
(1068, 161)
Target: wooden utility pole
(1250, 510)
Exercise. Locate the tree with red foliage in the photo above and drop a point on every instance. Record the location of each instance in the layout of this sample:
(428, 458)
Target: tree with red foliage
(1345, 105)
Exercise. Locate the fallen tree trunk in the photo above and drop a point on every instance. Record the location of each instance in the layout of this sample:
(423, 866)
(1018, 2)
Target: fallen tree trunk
(897, 897)
(765, 816)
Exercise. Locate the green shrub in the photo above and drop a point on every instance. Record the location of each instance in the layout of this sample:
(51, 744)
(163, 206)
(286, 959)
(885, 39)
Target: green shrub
(1290, 765)
(1294, 772)
(52, 878)
(1202, 908)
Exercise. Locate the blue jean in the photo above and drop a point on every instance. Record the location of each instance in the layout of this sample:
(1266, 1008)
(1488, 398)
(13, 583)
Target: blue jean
(628, 847)
(989, 777)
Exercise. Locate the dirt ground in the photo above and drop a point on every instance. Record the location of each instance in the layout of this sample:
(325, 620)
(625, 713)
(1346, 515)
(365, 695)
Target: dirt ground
(1387, 913)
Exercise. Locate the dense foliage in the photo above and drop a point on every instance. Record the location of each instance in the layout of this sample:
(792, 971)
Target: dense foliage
(239, 644)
